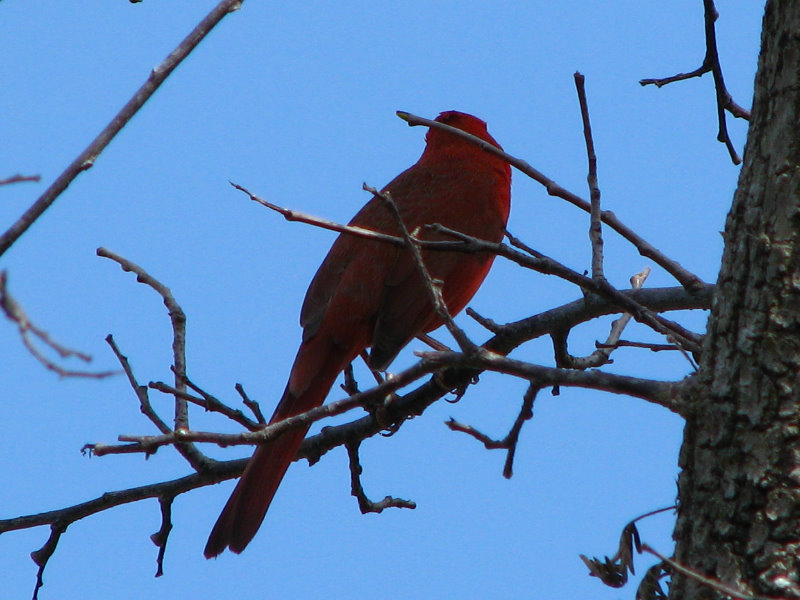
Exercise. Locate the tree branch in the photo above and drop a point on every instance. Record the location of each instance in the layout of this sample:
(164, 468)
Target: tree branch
(85, 159)
(595, 224)
(178, 320)
(543, 264)
(687, 279)
(20, 178)
(711, 64)
(666, 394)
(530, 259)
(366, 505)
(27, 330)
(602, 354)
(509, 442)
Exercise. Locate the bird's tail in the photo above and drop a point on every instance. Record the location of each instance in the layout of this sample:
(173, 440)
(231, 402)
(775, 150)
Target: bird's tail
(248, 504)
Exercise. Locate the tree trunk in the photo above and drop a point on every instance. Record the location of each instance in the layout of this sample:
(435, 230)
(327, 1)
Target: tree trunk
(739, 489)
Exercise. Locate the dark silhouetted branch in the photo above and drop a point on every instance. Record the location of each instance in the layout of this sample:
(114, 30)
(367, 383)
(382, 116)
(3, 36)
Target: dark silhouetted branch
(711, 64)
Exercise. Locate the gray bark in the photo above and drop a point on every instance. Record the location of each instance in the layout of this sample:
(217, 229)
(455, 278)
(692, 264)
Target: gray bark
(739, 505)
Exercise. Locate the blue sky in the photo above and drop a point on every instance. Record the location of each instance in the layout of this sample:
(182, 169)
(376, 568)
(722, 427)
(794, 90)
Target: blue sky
(296, 101)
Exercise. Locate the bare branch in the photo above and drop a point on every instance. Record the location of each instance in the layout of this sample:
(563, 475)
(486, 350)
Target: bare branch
(85, 159)
(687, 279)
(19, 179)
(141, 391)
(432, 342)
(28, 330)
(602, 355)
(366, 505)
(251, 404)
(595, 225)
(485, 322)
(219, 471)
(510, 441)
(644, 345)
(488, 442)
(711, 64)
(160, 537)
(416, 401)
(209, 402)
(43, 554)
(666, 394)
(301, 217)
(150, 443)
(178, 320)
(547, 265)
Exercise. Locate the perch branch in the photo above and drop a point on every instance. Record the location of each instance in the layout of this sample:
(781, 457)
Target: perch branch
(535, 261)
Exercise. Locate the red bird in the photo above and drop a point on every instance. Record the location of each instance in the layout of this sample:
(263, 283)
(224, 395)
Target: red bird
(371, 294)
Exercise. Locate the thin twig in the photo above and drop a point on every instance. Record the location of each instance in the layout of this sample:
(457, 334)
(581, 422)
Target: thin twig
(254, 406)
(525, 414)
(20, 178)
(366, 505)
(488, 442)
(160, 537)
(177, 318)
(86, 159)
(595, 223)
(207, 401)
(485, 322)
(711, 64)
(509, 442)
(28, 330)
(43, 554)
(301, 217)
(141, 391)
(643, 345)
(602, 354)
(433, 342)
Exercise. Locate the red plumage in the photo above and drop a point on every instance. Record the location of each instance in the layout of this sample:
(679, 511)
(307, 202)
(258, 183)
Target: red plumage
(368, 294)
